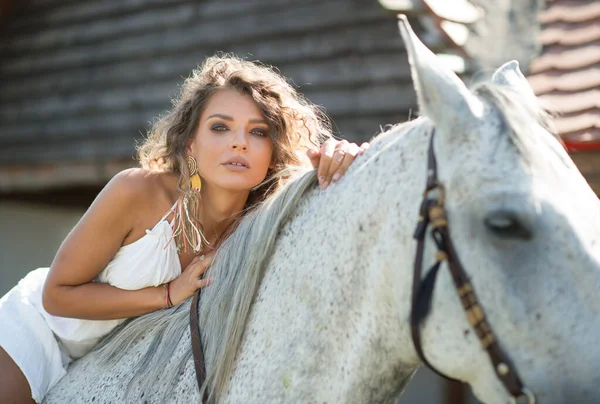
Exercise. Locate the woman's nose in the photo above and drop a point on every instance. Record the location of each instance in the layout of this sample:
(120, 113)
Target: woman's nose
(239, 141)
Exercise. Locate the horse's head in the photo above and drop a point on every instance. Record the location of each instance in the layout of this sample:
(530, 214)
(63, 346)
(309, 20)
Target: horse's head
(526, 227)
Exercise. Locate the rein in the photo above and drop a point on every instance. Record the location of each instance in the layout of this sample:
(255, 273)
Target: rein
(197, 351)
(432, 213)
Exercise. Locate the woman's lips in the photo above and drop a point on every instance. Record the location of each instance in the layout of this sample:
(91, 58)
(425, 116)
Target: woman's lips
(236, 167)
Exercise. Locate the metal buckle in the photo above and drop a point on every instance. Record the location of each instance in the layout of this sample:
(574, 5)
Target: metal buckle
(439, 187)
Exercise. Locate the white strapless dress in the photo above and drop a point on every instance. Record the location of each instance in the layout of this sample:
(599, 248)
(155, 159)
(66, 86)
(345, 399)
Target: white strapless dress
(43, 345)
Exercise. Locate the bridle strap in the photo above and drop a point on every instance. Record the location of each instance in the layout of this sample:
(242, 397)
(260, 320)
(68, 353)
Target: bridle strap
(197, 351)
(416, 286)
(419, 235)
(432, 213)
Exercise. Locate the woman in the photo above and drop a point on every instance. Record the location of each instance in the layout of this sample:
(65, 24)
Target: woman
(231, 137)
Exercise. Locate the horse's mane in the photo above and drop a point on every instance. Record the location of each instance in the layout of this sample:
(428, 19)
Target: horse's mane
(237, 271)
(239, 268)
(517, 116)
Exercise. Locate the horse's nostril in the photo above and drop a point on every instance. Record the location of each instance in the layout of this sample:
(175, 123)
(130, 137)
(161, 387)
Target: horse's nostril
(506, 224)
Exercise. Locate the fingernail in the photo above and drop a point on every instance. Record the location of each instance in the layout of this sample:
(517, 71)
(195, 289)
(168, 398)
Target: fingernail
(325, 184)
(336, 177)
(321, 180)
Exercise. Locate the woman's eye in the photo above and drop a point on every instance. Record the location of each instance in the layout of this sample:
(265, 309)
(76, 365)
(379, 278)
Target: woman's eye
(259, 132)
(219, 128)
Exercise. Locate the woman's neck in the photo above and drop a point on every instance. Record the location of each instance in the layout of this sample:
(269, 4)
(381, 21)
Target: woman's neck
(220, 209)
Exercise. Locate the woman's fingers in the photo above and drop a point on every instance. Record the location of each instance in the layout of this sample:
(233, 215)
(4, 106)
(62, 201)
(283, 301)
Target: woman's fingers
(204, 282)
(334, 158)
(327, 150)
(191, 279)
(204, 262)
(351, 152)
(201, 264)
(332, 155)
(363, 148)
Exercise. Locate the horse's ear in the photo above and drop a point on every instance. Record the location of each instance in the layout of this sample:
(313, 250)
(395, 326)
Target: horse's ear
(442, 96)
(510, 75)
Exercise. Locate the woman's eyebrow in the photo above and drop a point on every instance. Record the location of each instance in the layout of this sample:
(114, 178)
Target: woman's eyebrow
(229, 118)
(225, 117)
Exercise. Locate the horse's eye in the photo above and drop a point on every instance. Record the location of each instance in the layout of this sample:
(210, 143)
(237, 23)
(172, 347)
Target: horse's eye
(506, 224)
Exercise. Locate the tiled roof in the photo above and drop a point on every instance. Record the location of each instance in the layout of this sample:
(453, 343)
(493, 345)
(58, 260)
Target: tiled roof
(566, 75)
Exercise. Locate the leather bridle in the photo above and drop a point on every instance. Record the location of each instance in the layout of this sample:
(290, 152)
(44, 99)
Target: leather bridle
(197, 351)
(432, 214)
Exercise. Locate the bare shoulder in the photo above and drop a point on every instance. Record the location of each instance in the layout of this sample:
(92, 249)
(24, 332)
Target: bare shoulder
(137, 184)
(132, 180)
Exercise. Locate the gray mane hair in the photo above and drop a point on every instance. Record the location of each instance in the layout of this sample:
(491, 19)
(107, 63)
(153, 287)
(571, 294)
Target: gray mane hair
(516, 114)
(237, 271)
(239, 268)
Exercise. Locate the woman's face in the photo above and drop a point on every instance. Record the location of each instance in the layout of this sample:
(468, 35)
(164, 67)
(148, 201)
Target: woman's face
(232, 144)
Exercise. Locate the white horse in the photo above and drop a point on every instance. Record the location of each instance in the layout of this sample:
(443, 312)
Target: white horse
(312, 293)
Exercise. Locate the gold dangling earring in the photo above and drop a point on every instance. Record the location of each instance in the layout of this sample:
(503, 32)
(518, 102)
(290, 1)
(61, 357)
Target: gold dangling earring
(195, 182)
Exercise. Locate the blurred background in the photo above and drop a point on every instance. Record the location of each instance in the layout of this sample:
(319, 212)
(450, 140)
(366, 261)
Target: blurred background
(80, 81)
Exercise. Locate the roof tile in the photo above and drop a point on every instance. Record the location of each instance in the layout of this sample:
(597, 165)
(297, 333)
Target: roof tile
(566, 58)
(570, 11)
(578, 122)
(579, 80)
(569, 103)
(566, 75)
(563, 33)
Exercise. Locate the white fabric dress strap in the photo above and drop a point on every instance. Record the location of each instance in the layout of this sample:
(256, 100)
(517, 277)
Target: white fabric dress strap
(172, 210)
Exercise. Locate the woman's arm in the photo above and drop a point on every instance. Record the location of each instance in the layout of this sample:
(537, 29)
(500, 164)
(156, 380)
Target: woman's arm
(69, 291)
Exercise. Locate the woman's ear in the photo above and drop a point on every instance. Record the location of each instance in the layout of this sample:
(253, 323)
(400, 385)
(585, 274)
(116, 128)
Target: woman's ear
(189, 149)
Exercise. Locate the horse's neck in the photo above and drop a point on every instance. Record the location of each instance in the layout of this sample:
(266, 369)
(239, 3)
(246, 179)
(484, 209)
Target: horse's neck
(373, 216)
(339, 283)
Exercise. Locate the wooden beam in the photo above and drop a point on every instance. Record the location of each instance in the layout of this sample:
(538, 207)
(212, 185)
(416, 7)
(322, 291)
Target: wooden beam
(458, 11)
(26, 178)
(6, 7)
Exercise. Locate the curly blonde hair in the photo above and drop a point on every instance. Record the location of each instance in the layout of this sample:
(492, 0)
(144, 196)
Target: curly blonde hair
(294, 124)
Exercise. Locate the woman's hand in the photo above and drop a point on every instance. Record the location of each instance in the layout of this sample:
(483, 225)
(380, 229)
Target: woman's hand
(334, 158)
(186, 284)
